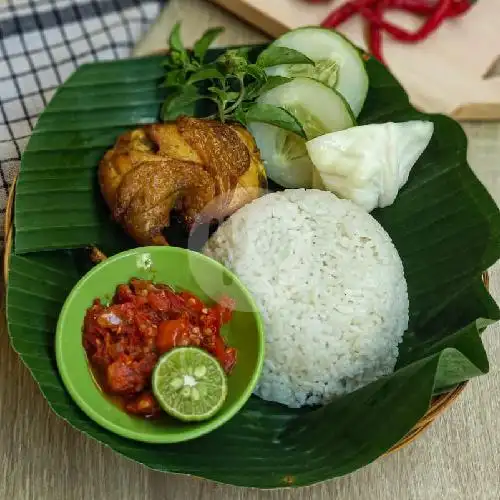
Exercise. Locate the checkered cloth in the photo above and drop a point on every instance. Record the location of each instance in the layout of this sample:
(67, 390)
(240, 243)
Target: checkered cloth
(41, 44)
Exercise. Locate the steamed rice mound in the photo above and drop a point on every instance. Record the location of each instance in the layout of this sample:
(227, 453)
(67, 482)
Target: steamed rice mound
(331, 289)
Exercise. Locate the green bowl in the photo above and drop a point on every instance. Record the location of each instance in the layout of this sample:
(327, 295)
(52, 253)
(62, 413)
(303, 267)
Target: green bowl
(183, 270)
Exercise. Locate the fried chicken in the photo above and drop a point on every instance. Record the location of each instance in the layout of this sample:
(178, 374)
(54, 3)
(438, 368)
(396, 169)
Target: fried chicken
(202, 168)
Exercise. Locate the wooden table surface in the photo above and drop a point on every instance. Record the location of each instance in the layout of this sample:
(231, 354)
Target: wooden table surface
(43, 458)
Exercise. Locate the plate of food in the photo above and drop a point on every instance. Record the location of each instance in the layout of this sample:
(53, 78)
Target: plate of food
(352, 223)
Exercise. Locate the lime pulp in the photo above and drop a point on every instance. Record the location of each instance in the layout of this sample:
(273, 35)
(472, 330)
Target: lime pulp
(189, 384)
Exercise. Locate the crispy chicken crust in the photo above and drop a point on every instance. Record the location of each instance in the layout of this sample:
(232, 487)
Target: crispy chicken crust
(202, 168)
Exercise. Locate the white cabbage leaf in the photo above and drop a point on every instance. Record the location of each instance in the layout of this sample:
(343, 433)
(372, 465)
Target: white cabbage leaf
(369, 164)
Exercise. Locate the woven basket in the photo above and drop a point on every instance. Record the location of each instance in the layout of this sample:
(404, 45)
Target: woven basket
(438, 405)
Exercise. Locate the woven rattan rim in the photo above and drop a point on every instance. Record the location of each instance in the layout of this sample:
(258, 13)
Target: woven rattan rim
(438, 405)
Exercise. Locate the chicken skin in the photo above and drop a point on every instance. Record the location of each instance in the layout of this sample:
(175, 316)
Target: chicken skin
(203, 169)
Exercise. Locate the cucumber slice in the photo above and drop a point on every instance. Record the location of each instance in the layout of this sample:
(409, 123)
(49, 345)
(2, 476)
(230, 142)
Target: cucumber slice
(319, 109)
(338, 63)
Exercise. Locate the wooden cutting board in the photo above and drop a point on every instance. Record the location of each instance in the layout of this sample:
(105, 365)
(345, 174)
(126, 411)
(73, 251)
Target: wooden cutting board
(456, 71)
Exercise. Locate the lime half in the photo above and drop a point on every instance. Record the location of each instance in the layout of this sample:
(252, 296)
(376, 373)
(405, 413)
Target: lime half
(189, 384)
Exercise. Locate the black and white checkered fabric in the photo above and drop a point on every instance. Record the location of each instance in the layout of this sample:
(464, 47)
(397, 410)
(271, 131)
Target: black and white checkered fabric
(41, 43)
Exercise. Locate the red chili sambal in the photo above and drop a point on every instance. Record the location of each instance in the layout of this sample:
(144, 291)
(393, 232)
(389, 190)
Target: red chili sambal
(124, 339)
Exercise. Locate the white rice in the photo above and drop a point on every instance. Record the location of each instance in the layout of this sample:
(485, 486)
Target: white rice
(331, 289)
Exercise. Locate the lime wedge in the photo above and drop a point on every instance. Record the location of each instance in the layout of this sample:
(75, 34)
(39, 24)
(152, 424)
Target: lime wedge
(189, 384)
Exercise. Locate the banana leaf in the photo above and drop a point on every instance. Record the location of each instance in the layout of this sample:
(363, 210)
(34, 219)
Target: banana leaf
(444, 224)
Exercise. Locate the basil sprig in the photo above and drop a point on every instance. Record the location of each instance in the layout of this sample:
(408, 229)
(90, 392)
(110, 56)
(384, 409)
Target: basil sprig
(232, 82)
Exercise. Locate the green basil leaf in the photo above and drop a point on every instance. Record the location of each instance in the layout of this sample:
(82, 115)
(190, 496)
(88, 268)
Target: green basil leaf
(175, 41)
(180, 103)
(240, 116)
(273, 115)
(205, 73)
(274, 81)
(224, 95)
(232, 96)
(201, 46)
(253, 90)
(179, 59)
(168, 64)
(256, 72)
(192, 65)
(221, 94)
(274, 56)
(242, 51)
(174, 78)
